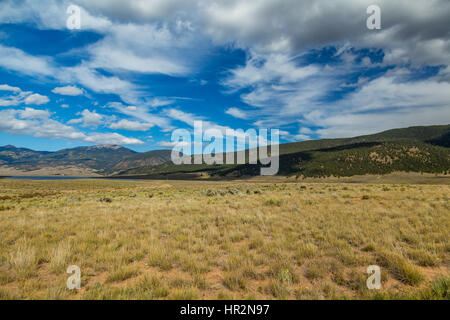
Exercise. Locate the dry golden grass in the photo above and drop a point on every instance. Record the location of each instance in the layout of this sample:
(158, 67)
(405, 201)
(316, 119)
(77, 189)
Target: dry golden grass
(223, 240)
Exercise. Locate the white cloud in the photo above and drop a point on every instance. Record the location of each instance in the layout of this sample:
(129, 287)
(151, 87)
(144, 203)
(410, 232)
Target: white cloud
(389, 92)
(9, 101)
(17, 60)
(15, 97)
(301, 137)
(11, 121)
(36, 123)
(171, 144)
(141, 113)
(68, 91)
(305, 130)
(139, 10)
(349, 125)
(130, 125)
(171, 37)
(142, 48)
(18, 96)
(189, 119)
(282, 87)
(283, 100)
(159, 102)
(111, 138)
(30, 113)
(182, 116)
(88, 118)
(5, 87)
(412, 30)
(384, 103)
(97, 82)
(48, 14)
(36, 99)
(267, 69)
(237, 113)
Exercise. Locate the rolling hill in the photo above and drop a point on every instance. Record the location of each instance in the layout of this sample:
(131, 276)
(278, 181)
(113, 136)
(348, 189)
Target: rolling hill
(414, 149)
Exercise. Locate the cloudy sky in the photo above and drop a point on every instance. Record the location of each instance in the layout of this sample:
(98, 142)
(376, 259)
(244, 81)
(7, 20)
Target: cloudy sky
(137, 70)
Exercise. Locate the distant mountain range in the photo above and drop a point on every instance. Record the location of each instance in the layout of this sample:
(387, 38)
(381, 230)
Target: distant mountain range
(102, 159)
(416, 149)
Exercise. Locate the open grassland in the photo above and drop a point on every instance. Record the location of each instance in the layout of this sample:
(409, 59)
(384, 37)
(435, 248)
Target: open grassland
(223, 240)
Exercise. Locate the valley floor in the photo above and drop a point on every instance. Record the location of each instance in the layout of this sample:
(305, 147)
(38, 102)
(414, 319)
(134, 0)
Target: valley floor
(223, 240)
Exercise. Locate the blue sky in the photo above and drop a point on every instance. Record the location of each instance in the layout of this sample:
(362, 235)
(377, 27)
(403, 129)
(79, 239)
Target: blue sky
(136, 71)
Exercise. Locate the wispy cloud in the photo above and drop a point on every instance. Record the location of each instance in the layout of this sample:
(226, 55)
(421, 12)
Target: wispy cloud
(237, 113)
(125, 124)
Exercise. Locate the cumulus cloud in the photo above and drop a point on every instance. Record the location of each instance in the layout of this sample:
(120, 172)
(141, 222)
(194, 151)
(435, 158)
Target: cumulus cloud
(412, 30)
(68, 91)
(12, 122)
(5, 87)
(30, 113)
(37, 123)
(9, 101)
(16, 96)
(88, 118)
(37, 99)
